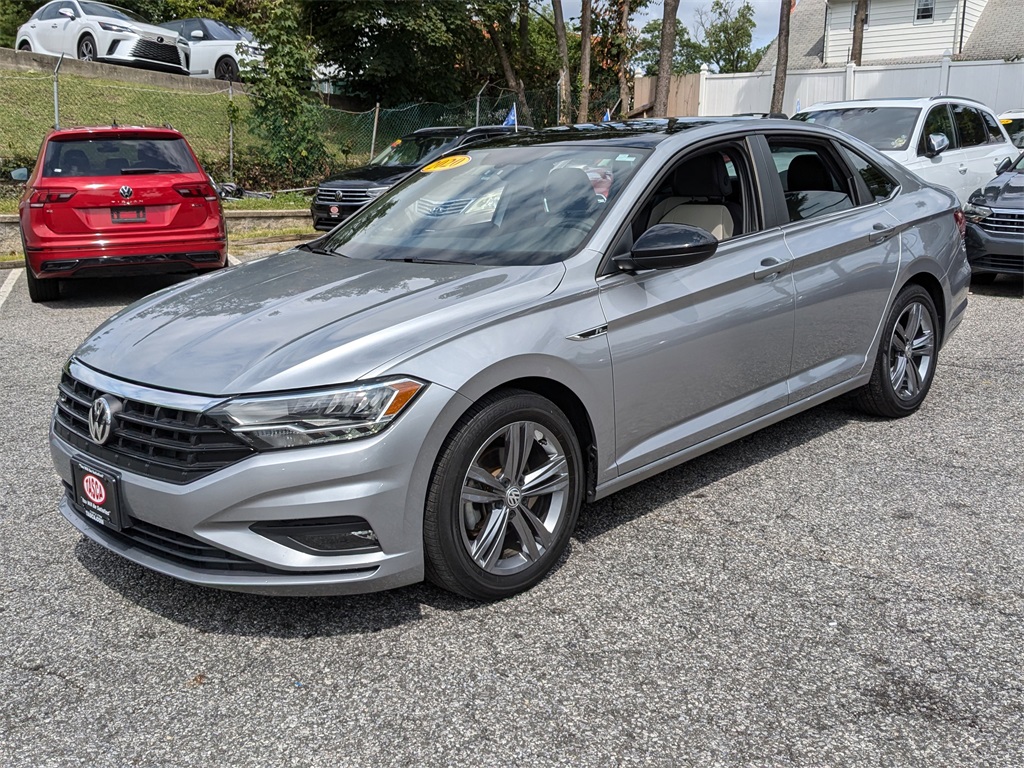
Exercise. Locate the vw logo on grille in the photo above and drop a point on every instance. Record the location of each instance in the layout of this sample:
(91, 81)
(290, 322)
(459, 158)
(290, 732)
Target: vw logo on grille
(341, 195)
(126, 191)
(101, 418)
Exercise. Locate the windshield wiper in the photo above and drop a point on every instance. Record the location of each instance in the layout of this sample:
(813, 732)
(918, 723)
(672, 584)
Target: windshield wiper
(430, 261)
(312, 248)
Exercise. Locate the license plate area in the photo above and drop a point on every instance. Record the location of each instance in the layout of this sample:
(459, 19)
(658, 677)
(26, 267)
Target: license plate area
(96, 495)
(134, 214)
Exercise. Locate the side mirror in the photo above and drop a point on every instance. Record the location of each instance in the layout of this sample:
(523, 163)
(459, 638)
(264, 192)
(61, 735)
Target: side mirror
(669, 246)
(67, 12)
(20, 174)
(937, 144)
(197, 34)
(1004, 166)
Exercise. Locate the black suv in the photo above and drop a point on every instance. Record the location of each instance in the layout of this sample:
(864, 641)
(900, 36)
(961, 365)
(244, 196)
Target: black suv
(341, 195)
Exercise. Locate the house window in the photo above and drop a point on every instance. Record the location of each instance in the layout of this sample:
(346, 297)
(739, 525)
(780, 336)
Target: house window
(924, 10)
(853, 14)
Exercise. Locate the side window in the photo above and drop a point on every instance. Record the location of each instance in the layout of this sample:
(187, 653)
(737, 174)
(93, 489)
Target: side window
(938, 121)
(810, 180)
(995, 136)
(190, 26)
(711, 190)
(877, 181)
(49, 12)
(969, 126)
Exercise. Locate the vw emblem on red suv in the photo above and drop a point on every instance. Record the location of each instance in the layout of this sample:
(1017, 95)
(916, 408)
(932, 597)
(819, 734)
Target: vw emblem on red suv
(126, 191)
(101, 418)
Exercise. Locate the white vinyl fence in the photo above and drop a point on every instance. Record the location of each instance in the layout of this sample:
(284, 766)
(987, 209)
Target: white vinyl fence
(998, 84)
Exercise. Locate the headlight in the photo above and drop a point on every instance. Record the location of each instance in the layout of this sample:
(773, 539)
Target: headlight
(976, 212)
(315, 418)
(114, 27)
(376, 191)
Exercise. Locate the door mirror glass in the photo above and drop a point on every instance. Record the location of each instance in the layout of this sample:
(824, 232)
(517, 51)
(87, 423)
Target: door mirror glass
(1004, 166)
(20, 174)
(197, 34)
(67, 12)
(937, 144)
(669, 246)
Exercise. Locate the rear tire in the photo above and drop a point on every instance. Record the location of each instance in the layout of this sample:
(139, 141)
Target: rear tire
(226, 69)
(87, 48)
(907, 353)
(41, 290)
(504, 497)
(25, 46)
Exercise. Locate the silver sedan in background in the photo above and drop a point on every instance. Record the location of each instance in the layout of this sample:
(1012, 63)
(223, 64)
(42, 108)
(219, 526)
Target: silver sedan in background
(434, 388)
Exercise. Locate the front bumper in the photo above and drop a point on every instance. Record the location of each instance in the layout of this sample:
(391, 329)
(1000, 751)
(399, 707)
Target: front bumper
(327, 216)
(381, 479)
(988, 252)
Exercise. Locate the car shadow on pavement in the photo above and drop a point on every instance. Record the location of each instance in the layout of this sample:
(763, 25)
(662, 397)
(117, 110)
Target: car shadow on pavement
(1005, 285)
(233, 613)
(113, 292)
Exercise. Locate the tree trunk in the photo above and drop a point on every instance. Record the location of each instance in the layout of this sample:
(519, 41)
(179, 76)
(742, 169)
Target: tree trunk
(585, 61)
(564, 84)
(625, 93)
(514, 83)
(860, 17)
(665, 56)
(524, 29)
(782, 62)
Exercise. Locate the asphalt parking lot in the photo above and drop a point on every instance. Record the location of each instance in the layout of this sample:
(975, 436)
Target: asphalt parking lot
(835, 590)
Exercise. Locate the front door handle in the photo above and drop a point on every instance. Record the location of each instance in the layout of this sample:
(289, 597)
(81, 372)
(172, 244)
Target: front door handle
(770, 266)
(962, 168)
(881, 232)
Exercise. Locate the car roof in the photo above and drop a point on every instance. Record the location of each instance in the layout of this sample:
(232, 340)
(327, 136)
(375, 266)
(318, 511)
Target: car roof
(894, 101)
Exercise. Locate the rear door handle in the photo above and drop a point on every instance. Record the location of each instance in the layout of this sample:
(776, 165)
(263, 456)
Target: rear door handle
(770, 266)
(962, 168)
(881, 232)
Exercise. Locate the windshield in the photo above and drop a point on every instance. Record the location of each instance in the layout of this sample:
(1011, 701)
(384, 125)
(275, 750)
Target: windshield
(110, 12)
(889, 129)
(116, 156)
(412, 150)
(1015, 127)
(1019, 165)
(509, 206)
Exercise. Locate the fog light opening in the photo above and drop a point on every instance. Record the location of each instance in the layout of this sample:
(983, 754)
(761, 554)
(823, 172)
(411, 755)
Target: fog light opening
(322, 536)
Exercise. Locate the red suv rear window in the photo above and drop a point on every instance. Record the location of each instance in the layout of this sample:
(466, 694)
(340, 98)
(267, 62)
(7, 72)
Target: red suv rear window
(117, 156)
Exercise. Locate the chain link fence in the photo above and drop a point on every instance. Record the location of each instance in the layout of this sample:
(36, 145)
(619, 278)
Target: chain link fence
(216, 123)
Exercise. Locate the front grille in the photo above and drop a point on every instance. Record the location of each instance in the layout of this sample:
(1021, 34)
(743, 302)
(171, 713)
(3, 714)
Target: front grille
(348, 196)
(153, 51)
(1001, 222)
(164, 443)
(185, 551)
(426, 207)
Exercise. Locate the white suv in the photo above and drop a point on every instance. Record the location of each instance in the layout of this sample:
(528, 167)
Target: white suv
(953, 142)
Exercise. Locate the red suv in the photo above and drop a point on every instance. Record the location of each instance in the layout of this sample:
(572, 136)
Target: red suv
(118, 201)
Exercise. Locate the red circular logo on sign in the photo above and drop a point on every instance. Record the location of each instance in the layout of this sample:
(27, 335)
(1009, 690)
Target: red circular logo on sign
(94, 489)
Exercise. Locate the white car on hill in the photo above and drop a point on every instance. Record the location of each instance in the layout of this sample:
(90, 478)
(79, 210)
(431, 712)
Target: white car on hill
(218, 50)
(99, 32)
(954, 142)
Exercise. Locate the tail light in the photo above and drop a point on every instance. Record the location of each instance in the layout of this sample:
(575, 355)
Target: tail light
(961, 221)
(196, 190)
(41, 197)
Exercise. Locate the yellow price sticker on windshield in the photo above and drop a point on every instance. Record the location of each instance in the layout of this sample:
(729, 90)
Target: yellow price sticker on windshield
(446, 163)
(1004, 121)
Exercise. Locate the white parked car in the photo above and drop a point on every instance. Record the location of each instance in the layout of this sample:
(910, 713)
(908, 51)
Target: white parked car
(99, 32)
(953, 142)
(1013, 122)
(218, 50)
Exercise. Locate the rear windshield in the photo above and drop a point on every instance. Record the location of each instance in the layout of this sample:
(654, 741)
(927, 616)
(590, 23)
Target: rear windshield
(889, 129)
(116, 157)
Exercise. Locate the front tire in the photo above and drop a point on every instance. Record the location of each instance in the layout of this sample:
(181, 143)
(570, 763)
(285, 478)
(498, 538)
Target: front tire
(907, 354)
(87, 48)
(504, 497)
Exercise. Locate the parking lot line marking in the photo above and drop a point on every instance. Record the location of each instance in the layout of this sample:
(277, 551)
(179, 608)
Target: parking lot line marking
(233, 261)
(8, 286)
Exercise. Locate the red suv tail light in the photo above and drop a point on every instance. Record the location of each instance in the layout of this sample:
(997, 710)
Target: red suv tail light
(196, 190)
(961, 221)
(41, 197)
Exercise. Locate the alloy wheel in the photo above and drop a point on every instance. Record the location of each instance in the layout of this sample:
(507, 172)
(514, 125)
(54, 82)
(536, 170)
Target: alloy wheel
(911, 351)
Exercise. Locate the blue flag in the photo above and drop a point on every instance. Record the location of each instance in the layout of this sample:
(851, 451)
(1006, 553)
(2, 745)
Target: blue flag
(512, 119)
(607, 116)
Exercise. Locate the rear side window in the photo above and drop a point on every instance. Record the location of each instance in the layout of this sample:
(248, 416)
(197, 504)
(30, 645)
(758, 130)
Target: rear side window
(78, 158)
(877, 181)
(995, 136)
(938, 121)
(970, 126)
(809, 179)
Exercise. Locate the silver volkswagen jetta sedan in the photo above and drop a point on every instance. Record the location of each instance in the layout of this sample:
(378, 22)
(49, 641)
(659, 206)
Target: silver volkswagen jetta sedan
(435, 387)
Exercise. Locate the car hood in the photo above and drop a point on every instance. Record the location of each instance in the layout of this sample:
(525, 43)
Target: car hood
(1004, 191)
(378, 174)
(299, 320)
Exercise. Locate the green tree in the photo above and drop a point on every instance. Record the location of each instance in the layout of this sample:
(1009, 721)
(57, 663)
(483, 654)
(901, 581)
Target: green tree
(14, 13)
(285, 116)
(689, 54)
(725, 33)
